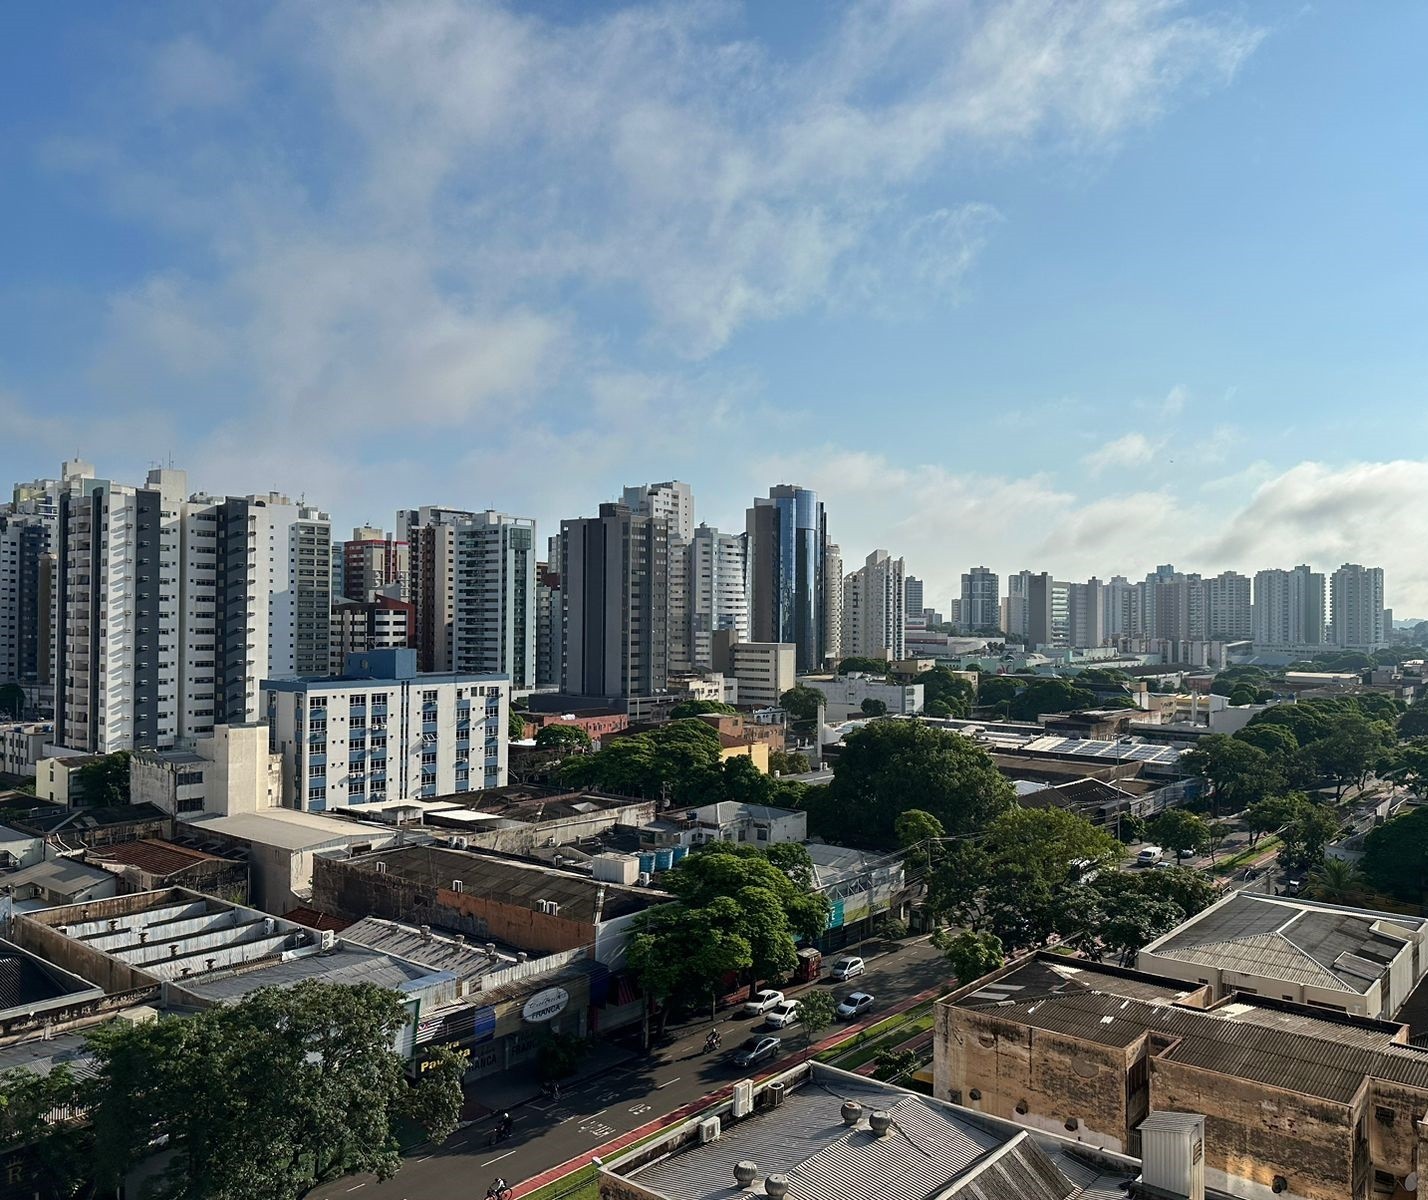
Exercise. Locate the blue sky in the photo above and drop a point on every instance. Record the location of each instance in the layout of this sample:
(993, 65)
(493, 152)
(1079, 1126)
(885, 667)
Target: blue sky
(1081, 288)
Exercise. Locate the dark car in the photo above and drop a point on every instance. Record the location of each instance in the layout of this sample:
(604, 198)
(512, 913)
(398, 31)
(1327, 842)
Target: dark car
(754, 1050)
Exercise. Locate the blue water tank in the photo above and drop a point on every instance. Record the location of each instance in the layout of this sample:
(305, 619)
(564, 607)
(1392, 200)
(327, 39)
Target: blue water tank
(647, 862)
(680, 852)
(664, 859)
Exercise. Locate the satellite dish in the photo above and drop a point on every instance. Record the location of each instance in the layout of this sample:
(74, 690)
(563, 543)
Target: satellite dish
(1410, 1182)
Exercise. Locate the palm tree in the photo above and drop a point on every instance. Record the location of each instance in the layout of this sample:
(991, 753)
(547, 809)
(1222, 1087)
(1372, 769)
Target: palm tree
(1335, 882)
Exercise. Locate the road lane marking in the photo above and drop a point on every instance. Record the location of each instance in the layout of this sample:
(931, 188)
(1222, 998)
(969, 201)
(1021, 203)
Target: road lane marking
(498, 1158)
(360, 1185)
(667, 1082)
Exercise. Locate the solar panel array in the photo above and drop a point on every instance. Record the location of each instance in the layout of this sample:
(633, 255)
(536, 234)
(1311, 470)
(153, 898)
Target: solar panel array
(1119, 751)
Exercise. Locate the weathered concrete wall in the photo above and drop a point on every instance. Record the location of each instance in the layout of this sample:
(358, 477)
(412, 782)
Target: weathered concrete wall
(1254, 1132)
(565, 830)
(1038, 1078)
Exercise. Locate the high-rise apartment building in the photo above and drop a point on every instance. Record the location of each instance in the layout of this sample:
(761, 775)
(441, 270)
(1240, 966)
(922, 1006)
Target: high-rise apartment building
(359, 626)
(1356, 608)
(431, 578)
(913, 597)
(373, 561)
(716, 571)
(1086, 613)
(1229, 613)
(1015, 617)
(493, 603)
(614, 597)
(547, 599)
(980, 603)
(673, 502)
(1123, 616)
(171, 610)
(788, 533)
(1048, 611)
(874, 616)
(832, 603)
(1289, 607)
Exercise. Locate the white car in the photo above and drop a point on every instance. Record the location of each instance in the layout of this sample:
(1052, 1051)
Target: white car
(761, 1003)
(846, 968)
(783, 1015)
(853, 1004)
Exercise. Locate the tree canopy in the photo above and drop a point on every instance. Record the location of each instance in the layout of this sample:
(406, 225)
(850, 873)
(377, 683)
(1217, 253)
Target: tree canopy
(971, 954)
(738, 911)
(265, 1098)
(888, 766)
(105, 781)
(1414, 722)
(945, 693)
(1396, 856)
(1178, 829)
(695, 708)
(1049, 695)
(1238, 774)
(862, 665)
(873, 708)
(680, 756)
(562, 737)
(803, 703)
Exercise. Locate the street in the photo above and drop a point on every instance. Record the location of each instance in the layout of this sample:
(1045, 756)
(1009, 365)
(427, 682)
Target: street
(593, 1111)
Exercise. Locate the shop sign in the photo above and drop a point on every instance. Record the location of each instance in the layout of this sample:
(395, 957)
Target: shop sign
(545, 1005)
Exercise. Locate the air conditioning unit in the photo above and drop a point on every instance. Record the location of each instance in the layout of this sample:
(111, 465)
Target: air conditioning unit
(381, 868)
(743, 1097)
(459, 843)
(456, 885)
(709, 1130)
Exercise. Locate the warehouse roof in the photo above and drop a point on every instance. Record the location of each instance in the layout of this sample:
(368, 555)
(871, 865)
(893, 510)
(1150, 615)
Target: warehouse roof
(1300, 941)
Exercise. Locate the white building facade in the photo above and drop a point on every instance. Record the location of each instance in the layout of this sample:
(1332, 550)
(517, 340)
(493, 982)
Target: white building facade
(386, 732)
(1356, 608)
(874, 608)
(1289, 607)
(717, 591)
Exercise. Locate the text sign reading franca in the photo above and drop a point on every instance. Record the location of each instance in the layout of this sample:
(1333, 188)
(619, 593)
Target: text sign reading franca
(545, 1005)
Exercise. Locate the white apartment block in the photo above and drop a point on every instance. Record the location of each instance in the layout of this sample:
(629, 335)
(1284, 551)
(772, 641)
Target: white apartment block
(717, 593)
(1228, 612)
(493, 601)
(22, 745)
(763, 671)
(833, 601)
(170, 610)
(1356, 608)
(673, 503)
(845, 695)
(874, 608)
(1288, 607)
(385, 732)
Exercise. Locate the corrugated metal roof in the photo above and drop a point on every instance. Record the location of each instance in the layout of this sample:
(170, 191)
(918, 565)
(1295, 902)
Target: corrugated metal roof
(154, 855)
(1268, 954)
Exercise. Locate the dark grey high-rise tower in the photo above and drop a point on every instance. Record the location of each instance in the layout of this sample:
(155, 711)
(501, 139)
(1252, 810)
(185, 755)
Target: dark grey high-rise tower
(787, 535)
(614, 597)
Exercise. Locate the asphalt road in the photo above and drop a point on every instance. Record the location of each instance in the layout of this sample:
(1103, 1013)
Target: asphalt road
(593, 1111)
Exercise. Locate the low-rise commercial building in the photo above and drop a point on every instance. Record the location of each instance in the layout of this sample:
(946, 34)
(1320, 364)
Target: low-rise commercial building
(845, 695)
(726, 821)
(1349, 960)
(22, 745)
(151, 864)
(232, 770)
(1298, 1102)
(763, 671)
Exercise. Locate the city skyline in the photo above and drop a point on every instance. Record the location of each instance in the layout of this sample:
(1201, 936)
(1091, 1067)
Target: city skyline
(1135, 301)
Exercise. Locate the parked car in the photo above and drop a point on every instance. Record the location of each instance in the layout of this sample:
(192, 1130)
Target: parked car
(1149, 855)
(761, 1003)
(853, 1004)
(754, 1050)
(781, 1016)
(845, 968)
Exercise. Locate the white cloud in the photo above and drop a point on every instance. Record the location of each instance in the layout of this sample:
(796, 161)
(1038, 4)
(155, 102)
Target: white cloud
(1129, 450)
(1175, 400)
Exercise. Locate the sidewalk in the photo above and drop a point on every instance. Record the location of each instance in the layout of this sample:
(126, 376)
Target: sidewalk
(518, 1086)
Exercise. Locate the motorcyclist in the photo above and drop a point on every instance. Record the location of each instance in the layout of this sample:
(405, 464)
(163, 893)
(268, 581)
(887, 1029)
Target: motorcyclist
(712, 1041)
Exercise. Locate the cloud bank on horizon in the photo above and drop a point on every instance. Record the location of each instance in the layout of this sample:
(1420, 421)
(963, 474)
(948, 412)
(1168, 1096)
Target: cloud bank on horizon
(1015, 283)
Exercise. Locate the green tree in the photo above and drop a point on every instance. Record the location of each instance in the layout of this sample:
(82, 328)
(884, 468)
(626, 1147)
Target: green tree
(793, 859)
(105, 781)
(1131, 922)
(1305, 837)
(998, 689)
(1178, 830)
(56, 1151)
(1053, 695)
(803, 704)
(972, 955)
(12, 701)
(515, 725)
(865, 666)
(1238, 774)
(1278, 741)
(682, 757)
(682, 952)
(1414, 722)
(566, 738)
(886, 765)
(1409, 766)
(695, 708)
(789, 762)
(1349, 754)
(816, 1011)
(1335, 881)
(1188, 890)
(873, 708)
(1270, 814)
(917, 834)
(1396, 856)
(945, 693)
(264, 1098)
